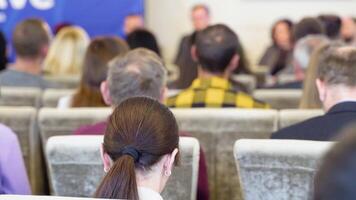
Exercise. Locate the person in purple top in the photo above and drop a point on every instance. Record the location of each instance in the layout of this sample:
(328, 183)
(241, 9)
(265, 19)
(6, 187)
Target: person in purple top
(13, 176)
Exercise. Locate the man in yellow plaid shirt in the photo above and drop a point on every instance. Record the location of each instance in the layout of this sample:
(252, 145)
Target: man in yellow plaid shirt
(216, 51)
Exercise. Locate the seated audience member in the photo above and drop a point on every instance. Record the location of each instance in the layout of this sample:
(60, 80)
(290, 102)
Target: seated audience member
(301, 58)
(336, 83)
(3, 52)
(31, 39)
(336, 177)
(66, 53)
(13, 175)
(216, 52)
(310, 96)
(139, 150)
(143, 38)
(348, 30)
(279, 54)
(133, 22)
(140, 73)
(95, 66)
(200, 18)
(332, 25)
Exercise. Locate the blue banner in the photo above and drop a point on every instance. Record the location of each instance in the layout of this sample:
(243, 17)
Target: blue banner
(97, 17)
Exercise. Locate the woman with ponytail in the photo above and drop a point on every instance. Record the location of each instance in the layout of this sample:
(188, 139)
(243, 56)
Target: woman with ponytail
(139, 150)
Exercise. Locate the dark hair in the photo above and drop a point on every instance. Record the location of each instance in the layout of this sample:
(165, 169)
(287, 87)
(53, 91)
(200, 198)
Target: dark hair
(307, 26)
(332, 24)
(143, 38)
(146, 130)
(3, 56)
(287, 22)
(95, 67)
(216, 45)
(29, 37)
(336, 177)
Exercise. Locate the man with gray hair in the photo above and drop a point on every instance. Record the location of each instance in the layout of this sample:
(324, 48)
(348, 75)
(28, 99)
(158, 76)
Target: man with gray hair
(140, 72)
(336, 84)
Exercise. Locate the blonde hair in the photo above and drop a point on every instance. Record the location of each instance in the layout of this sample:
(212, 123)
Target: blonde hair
(310, 97)
(66, 54)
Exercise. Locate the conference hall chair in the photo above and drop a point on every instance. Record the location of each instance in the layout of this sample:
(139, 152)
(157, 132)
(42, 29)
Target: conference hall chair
(217, 130)
(51, 97)
(278, 169)
(19, 96)
(289, 117)
(22, 120)
(75, 167)
(279, 98)
(65, 82)
(249, 81)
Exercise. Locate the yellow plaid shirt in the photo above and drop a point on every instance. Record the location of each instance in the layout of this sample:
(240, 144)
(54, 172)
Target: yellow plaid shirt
(213, 92)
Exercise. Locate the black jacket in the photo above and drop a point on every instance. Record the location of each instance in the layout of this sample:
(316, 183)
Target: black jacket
(322, 128)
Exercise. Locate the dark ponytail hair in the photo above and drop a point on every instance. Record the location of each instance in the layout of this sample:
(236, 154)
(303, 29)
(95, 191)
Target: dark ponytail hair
(139, 132)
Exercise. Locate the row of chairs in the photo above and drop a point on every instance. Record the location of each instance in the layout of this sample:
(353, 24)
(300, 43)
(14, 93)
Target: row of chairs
(216, 130)
(268, 169)
(277, 98)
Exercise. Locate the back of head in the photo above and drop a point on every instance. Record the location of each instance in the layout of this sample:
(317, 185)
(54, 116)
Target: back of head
(140, 72)
(143, 38)
(338, 67)
(304, 48)
(95, 67)
(215, 47)
(66, 54)
(332, 24)
(30, 37)
(307, 26)
(139, 133)
(336, 177)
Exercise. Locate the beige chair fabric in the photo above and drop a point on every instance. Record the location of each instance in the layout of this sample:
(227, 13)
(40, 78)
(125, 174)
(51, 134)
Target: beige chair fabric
(278, 169)
(22, 120)
(76, 169)
(55, 122)
(51, 97)
(65, 82)
(293, 116)
(217, 130)
(29, 197)
(17, 96)
(249, 81)
(279, 98)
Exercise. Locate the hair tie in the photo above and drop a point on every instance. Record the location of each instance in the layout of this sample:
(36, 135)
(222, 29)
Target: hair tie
(131, 151)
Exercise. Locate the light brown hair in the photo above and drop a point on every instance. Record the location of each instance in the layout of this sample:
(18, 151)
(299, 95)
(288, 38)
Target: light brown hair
(29, 37)
(95, 66)
(148, 128)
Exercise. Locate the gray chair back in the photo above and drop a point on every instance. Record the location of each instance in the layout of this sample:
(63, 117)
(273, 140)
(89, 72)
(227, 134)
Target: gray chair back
(19, 96)
(65, 82)
(279, 98)
(249, 81)
(278, 169)
(76, 168)
(289, 117)
(51, 97)
(217, 130)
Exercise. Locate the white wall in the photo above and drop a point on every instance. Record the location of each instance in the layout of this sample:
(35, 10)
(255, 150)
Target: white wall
(251, 19)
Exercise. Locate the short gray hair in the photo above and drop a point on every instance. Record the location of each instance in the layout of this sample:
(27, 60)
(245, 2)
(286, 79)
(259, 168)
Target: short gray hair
(140, 72)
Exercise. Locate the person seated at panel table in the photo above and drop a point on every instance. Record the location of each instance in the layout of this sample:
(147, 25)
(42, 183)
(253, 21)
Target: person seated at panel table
(143, 38)
(13, 175)
(336, 83)
(332, 24)
(133, 22)
(139, 150)
(279, 54)
(141, 72)
(335, 179)
(31, 40)
(215, 50)
(95, 67)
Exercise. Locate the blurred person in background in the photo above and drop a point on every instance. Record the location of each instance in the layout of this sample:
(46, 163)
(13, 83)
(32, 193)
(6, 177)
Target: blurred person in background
(3, 51)
(95, 66)
(31, 39)
(133, 22)
(332, 25)
(66, 53)
(348, 30)
(188, 71)
(143, 38)
(279, 54)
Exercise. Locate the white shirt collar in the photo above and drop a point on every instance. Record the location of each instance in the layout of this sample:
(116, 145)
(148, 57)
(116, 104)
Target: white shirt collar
(148, 194)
